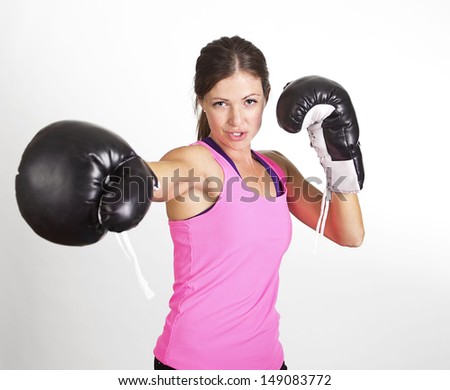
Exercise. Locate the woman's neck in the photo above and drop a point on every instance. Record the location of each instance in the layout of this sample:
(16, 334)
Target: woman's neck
(241, 155)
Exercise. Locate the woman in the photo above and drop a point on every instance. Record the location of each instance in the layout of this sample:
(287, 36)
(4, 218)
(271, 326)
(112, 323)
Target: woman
(229, 215)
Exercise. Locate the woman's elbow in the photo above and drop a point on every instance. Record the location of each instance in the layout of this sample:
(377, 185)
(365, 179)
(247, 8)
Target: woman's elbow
(352, 238)
(353, 241)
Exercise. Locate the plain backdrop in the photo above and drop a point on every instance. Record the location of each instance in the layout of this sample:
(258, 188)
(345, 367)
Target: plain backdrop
(129, 66)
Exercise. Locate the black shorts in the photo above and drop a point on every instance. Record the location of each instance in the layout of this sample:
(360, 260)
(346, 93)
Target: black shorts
(160, 366)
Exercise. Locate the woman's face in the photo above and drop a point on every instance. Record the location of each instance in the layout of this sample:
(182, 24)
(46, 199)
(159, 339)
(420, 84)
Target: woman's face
(234, 109)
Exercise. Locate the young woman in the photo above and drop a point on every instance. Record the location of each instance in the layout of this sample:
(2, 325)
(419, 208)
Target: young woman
(229, 214)
(229, 207)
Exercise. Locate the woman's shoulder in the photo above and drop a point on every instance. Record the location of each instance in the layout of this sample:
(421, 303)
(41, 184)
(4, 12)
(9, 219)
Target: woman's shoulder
(189, 152)
(195, 156)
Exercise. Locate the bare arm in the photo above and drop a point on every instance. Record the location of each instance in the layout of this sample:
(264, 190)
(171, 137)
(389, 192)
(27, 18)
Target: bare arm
(183, 175)
(344, 223)
(178, 171)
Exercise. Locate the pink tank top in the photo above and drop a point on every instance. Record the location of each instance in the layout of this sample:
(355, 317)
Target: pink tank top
(226, 263)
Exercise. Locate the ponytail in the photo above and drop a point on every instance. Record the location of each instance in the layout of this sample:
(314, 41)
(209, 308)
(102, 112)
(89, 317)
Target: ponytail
(203, 129)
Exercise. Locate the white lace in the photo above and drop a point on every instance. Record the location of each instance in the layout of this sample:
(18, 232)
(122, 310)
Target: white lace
(127, 248)
(320, 228)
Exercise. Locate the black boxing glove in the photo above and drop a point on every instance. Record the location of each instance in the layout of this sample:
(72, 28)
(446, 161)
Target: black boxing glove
(324, 108)
(77, 181)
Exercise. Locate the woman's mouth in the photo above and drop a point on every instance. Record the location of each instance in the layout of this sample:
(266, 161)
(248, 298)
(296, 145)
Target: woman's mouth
(237, 135)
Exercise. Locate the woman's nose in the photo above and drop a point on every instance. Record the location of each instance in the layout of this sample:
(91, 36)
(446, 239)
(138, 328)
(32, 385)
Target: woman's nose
(235, 118)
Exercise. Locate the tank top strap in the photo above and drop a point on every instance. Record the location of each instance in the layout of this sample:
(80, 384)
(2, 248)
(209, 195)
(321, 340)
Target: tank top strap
(228, 165)
(274, 170)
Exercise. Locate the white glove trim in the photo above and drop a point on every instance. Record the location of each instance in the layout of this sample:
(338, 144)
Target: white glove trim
(317, 114)
(341, 176)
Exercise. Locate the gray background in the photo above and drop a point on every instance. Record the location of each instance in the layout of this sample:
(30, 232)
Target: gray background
(128, 66)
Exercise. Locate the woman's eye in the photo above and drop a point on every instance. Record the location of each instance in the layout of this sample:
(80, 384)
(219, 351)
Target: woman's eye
(250, 102)
(219, 104)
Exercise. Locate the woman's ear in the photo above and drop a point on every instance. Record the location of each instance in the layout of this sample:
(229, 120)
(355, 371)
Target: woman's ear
(200, 103)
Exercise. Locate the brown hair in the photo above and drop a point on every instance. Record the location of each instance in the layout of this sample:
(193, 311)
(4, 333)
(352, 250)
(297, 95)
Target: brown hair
(218, 60)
